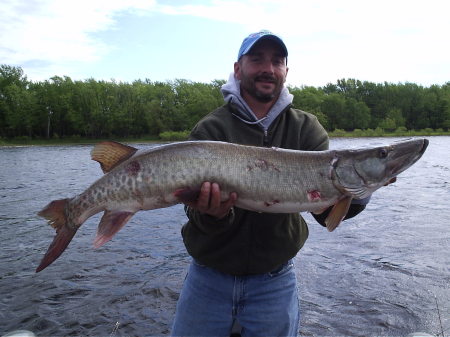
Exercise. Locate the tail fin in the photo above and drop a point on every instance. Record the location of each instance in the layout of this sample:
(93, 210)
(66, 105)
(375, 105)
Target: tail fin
(54, 213)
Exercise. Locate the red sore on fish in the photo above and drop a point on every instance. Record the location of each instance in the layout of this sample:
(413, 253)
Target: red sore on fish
(187, 195)
(314, 195)
(133, 168)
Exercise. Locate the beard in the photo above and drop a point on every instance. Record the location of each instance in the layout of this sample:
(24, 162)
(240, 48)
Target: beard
(249, 85)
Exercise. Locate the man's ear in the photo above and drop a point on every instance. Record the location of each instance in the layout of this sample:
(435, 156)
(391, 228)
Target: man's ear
(237, 70)
(287, 70)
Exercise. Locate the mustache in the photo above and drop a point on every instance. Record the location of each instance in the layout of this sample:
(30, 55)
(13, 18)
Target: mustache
(265, 78)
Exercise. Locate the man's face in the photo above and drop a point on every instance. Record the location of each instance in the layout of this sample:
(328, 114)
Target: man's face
(262, 71)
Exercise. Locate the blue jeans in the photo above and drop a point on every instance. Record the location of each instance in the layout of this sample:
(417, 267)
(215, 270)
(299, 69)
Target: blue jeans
(264, 305)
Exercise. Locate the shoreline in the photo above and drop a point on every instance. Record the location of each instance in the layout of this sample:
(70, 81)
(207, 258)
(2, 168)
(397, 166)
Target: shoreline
(148, 140)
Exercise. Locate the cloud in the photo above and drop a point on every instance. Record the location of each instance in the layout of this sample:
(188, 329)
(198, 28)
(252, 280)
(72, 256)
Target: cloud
(402, 40)
(58, 31)
(384, 38)
(296, 18)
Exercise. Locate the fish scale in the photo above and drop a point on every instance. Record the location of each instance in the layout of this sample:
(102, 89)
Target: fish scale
(269, 180)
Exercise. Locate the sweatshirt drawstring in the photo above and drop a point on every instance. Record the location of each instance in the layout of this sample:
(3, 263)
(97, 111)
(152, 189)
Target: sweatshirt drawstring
(249, 122)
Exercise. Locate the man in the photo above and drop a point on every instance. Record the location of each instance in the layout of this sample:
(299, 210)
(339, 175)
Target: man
(242, 267)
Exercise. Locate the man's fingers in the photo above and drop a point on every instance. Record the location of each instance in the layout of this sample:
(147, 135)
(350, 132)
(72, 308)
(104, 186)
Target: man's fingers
(215, 196)
(204, 197)
(224, 207)
(209, 201)
(231, 201)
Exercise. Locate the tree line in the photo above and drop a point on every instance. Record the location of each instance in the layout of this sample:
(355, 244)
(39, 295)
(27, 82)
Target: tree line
(61, 107)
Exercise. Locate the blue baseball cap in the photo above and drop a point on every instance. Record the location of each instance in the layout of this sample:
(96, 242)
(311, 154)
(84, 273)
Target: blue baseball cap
(250, 41)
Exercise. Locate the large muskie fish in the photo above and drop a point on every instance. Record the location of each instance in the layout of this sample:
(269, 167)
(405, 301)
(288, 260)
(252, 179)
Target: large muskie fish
(265, 179)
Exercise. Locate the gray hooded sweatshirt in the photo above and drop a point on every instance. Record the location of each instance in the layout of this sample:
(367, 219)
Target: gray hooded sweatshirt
(231, 92)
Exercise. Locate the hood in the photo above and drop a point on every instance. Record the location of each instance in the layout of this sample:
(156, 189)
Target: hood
(231, 92)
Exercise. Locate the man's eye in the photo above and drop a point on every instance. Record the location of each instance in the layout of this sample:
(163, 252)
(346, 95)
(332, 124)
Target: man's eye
(279, 61)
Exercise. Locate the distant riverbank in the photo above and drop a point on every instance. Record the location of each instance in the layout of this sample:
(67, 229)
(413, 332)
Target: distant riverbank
(182, 135)
(378, 132)
(74, 141)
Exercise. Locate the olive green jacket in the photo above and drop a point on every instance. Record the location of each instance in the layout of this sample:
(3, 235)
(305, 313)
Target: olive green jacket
(246, 242)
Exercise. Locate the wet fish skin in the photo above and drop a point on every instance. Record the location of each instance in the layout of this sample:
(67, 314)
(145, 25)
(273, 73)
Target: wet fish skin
(270, 180)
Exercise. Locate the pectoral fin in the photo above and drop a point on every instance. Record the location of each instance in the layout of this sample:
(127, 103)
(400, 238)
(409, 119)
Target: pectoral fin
(110, 224)
(110, 154)
(338, 213)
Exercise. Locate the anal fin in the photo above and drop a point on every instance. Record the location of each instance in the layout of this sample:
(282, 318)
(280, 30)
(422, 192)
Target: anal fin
(110, 224)
(338, 213)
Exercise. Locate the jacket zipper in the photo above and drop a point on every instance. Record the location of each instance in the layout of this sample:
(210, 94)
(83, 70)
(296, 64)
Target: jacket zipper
(266, 138)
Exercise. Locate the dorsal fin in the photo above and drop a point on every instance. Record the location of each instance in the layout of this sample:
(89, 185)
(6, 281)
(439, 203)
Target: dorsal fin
(110, 154)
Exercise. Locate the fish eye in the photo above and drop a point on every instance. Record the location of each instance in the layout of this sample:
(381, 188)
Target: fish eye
(383, 153)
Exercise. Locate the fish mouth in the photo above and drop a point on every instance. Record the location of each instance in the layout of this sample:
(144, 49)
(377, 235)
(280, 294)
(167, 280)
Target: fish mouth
(405, 154)
(425, 145)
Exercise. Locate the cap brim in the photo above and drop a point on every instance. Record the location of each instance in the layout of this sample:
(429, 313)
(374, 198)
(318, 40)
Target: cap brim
(266, 37)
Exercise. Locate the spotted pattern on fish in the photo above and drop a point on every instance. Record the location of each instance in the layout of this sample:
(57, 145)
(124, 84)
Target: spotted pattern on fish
(133, 168)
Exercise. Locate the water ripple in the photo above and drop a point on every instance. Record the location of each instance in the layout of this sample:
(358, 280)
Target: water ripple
(377, 274)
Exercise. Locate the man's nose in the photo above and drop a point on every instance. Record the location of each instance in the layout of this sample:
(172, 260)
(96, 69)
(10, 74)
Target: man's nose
(268, 67)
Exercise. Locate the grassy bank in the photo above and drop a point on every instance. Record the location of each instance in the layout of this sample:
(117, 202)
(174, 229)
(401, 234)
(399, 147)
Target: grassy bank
(182, 135)
(71, 141)
(378, 132)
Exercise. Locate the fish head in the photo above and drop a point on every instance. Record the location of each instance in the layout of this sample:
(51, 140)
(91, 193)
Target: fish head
(360, 172)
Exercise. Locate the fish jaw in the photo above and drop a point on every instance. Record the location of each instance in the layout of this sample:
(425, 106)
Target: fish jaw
(405, 154)
(358, 173)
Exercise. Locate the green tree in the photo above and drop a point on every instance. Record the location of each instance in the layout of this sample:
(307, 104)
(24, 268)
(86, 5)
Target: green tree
(310, 99)
(356, 116)
(16, 103)
(60, 107)
(333, 106)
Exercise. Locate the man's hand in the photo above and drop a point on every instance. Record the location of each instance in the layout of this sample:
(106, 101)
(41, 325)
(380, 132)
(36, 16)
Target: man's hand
(209, 202)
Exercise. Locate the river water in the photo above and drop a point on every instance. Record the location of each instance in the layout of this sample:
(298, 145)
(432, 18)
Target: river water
(378, 274)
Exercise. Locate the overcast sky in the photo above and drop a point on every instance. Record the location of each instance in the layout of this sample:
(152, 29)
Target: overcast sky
(393, 40)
